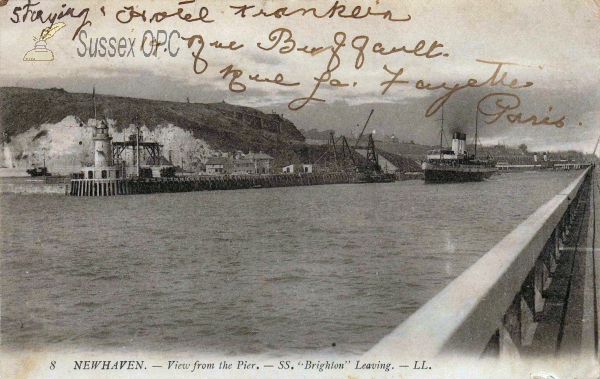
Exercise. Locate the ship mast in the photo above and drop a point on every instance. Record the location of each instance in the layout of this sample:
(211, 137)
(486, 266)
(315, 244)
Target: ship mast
(476, 122)
(442, 134)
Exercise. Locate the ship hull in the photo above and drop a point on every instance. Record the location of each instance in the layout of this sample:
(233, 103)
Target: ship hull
(447, 174)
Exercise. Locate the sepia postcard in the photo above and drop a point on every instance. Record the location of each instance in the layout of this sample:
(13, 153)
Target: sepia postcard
(299, 189)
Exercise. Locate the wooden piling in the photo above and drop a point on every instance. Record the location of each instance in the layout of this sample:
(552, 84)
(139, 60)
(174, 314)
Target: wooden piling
(113, 187)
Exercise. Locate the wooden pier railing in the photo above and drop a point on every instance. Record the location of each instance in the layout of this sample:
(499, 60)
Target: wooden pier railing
(499, 304)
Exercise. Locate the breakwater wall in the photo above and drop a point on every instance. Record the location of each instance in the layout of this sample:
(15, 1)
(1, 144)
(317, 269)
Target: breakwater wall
(112, 187)
(36, 185)
(33, 188)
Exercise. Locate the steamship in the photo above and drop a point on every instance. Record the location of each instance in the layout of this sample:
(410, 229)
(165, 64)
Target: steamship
(456, 165)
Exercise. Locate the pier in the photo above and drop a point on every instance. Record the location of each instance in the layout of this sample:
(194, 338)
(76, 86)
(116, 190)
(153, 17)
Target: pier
(111, 176)
(112, 187)
(534, 294)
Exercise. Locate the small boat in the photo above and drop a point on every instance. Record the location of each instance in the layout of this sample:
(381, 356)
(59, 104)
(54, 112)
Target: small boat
(456, 165)
(42, 171)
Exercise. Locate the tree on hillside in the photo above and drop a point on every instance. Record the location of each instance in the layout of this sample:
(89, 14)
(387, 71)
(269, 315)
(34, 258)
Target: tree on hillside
(523, 148)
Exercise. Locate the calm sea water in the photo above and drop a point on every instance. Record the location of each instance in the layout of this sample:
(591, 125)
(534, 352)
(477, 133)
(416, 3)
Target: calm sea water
(249, 271)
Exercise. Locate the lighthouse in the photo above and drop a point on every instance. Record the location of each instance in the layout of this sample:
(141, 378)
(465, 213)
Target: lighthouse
(104, 167)
(103, 178)
(102, 147)
(103, 163)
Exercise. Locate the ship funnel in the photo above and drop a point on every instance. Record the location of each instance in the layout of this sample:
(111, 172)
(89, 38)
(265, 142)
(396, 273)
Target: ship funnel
(459, 143)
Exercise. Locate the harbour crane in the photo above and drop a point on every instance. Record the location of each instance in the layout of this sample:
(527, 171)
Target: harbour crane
(596, 148)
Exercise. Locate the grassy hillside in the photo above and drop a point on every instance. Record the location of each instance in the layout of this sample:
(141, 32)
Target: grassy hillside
(224, 126)
(198, 131)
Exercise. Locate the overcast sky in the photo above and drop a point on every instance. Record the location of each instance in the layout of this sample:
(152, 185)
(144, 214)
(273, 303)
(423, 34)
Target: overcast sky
(553, 44)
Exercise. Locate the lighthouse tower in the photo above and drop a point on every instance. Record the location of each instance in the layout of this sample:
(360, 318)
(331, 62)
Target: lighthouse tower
(104, 167)
(102, 146)
(103, 178)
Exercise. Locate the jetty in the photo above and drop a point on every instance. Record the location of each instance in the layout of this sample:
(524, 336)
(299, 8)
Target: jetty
(111, 176)
(112, 187)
